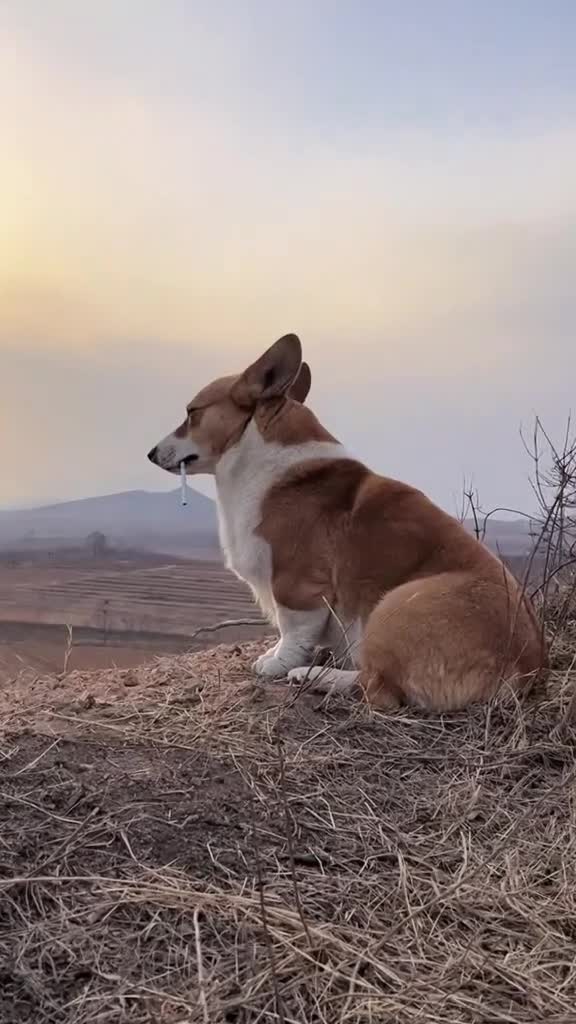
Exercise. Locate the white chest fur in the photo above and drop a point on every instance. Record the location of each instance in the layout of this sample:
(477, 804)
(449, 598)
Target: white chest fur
(244, 475)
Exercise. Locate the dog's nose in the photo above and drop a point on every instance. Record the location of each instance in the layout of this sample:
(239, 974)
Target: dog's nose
(152, 453)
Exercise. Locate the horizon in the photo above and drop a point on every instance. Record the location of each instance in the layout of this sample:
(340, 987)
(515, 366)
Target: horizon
(504, 514)
(182, 185)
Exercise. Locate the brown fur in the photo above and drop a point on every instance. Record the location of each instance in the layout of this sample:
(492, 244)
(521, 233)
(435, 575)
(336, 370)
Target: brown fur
(219, 413)
(444, 623)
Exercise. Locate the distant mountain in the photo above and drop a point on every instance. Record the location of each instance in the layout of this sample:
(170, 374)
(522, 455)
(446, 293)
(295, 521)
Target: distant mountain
(508, 537)
(19, 506)
(155, 521)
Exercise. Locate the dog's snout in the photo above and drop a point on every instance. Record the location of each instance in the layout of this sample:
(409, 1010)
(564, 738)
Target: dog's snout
(153, 453)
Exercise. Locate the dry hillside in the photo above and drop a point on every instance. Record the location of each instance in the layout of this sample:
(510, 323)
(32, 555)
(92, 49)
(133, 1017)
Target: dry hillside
(181, 844)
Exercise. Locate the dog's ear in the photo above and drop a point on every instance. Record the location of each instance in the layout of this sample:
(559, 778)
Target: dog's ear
(272, 374)
(298, 391)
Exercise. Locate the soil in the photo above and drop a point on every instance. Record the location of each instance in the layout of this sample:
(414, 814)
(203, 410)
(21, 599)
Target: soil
(184, 845)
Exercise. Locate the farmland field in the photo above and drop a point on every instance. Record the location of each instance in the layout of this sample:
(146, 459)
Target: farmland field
(123, 609)
(121, 612)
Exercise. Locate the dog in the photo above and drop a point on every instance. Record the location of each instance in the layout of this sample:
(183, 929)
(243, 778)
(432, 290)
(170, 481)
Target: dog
(415, 609)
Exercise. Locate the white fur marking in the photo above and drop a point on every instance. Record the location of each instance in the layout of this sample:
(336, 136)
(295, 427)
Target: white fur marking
(344, 640)
(244, 475)
(326, 680)
(299, 635)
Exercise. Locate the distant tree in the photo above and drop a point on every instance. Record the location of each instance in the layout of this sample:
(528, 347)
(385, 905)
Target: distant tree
(97, 544)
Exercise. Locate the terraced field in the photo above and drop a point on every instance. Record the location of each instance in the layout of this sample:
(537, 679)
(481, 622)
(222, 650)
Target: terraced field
(122, 612)
(168, 599)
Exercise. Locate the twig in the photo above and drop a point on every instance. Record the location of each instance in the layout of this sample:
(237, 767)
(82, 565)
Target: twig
(67, 650)
(264, 912)
(227, 624)
(200, 966)
(288, 824)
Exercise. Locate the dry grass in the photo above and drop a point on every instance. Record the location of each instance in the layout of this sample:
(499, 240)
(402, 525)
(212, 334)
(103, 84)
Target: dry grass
(181, 845)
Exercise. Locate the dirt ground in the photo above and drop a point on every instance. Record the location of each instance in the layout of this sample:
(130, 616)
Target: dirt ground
(41, 650)
(181, 844)
(49, 655)
(123, 611)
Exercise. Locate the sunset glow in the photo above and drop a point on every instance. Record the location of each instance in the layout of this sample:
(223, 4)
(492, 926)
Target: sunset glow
(178, 187)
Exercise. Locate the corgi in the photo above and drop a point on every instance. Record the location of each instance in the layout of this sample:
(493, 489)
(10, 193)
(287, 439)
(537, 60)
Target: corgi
(415, 610)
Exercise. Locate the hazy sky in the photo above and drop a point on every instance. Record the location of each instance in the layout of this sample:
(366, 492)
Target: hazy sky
(183, 182)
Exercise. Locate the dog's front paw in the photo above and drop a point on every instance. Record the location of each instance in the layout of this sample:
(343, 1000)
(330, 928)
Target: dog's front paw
(270, 653)
(268, 666)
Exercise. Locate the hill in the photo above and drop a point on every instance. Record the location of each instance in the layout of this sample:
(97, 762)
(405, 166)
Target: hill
(509, 537)
(180, 844)
(154, 521)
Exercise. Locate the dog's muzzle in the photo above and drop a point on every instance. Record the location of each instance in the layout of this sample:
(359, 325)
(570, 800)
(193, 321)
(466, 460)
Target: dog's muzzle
(167, 458)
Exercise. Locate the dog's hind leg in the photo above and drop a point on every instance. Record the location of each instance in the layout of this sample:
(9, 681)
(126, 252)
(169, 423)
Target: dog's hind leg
(325, 679)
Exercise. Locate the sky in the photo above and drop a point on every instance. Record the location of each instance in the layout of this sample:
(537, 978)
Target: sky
(182, 183)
